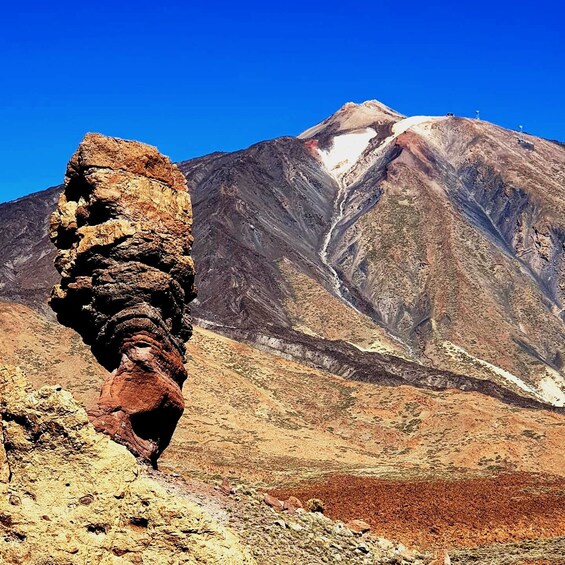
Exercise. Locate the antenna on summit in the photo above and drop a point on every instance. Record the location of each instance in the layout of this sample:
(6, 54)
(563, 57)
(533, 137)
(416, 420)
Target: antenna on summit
(521, 135)
(478, 115)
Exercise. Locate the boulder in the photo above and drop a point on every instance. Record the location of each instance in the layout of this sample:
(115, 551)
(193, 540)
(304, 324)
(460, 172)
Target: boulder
(292, 504)
(273, 502)
(74, 496)
(123, 232)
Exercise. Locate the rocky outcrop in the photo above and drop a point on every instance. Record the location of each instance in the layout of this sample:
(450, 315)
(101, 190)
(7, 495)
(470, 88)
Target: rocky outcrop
(346, 360)
(123, 231)
(70, 495)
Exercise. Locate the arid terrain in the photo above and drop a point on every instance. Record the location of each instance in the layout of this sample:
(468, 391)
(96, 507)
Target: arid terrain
(431, 469)
(445, 513)
(379, 324)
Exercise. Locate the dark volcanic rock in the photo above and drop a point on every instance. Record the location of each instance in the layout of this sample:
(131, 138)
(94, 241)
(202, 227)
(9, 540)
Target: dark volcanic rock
(258, 206)
(26, 255)
(123, 230)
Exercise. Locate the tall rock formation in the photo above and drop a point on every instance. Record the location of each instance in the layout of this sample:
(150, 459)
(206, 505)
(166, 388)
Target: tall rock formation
(123, 232)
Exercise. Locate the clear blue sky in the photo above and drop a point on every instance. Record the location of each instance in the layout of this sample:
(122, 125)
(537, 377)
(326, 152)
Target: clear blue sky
(195, 77)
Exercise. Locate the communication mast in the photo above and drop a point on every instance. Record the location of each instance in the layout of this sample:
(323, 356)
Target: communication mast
(478, 115)
(521, 135)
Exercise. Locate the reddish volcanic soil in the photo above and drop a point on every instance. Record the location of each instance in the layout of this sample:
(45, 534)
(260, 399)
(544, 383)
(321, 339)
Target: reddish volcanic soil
(457, 513)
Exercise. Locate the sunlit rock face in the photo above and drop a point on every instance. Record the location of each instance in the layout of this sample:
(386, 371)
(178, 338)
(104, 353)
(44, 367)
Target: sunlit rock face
(61, 481)
(123, 232)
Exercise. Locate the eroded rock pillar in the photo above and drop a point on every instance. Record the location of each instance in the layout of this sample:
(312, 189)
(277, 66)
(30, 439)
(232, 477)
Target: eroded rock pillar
(123, 231)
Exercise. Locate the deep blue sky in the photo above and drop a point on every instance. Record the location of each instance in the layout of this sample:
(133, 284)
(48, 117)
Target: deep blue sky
(196, 77)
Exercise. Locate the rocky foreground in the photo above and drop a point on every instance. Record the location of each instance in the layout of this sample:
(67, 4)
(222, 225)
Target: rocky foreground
(70, 495)
(268, 422)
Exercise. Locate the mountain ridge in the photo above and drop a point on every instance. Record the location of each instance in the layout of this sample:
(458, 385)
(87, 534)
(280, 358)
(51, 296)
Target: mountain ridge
(406, 237)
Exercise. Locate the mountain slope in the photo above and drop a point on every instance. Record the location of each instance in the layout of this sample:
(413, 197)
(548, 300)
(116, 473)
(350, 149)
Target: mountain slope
(444, 244)
(434, 239)
(26, 254)
(462, 254)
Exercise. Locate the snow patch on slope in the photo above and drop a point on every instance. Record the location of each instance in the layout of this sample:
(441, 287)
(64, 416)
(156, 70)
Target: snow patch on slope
(551, 387)
(419, 123)
(345, 151)
(407, 123)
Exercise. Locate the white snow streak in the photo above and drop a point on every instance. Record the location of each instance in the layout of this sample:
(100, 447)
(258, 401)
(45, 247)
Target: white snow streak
(345, 151)
(339, 160)
(550, 388)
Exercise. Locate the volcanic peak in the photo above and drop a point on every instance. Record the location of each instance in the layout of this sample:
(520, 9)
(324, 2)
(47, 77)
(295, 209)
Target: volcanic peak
(351, 117)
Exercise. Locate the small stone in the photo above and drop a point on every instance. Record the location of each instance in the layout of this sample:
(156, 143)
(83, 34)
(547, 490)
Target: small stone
(86, 499)
(15, 500)
(362, 548)
(358, 526)
(407, 555)
(280, 523)
(339, 529)
(400, 548)
(384, 544)
(272, 502)
(294, 526)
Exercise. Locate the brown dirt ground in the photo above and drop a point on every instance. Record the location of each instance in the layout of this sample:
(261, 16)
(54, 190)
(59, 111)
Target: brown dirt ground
(442, 513)
(270, 420)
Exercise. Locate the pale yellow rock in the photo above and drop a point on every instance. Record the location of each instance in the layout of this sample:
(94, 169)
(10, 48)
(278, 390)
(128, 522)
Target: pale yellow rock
(73, 496)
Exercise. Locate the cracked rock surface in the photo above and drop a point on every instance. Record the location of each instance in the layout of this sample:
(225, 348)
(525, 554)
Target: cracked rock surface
(123, 232)
(69, 495)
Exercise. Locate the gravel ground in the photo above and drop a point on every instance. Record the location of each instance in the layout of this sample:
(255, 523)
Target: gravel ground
(311, 538)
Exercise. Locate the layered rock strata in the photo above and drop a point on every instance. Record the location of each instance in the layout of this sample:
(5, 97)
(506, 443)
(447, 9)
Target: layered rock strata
(123, 232)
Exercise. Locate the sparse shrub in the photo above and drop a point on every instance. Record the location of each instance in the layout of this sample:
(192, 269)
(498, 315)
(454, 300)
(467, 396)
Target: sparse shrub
(533, 435)
(315, 505)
